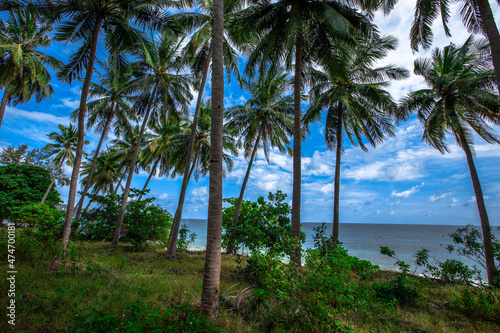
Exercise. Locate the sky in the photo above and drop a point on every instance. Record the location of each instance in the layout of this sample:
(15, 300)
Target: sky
(402, 181)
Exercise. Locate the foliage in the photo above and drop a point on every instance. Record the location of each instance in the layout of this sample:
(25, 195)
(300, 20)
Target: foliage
(262, 225)
(321, 243)
(46, 221)
(185, 237)
(401, 290)
(141, 318)
(143, 221)
(477, 303)
(404, 267)
(469, 243)
(24, 185)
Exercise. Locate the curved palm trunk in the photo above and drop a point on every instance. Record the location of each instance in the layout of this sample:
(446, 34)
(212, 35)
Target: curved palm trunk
(491, 30)
(483, 215)
(116, 235)
(53, 180)
(149, 178)
(211, 272)
(297, 137)
(174, 231)
(120, 181)
(3, 104)
(242, 192)
(336, 196)
(92, 167)
(81, 135)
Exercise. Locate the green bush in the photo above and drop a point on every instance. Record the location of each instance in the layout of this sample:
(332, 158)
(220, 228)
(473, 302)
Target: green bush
(401, 290)
(261, 224)
(140, 318)
(46, 221)
(185, 237)
(477, 303)
(143, 220)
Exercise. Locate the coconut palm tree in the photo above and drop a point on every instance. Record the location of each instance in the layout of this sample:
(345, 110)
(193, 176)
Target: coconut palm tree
(81, 22)
(62, 150)
(166, 93)
(297, 32)
(211, 271)
(23, 71)
(357, 104)
(200, 162)
(199, 48)
(265, 120)
(107, 172)
(111, 107)
(161, 149)
(476, 16)
(459, 100)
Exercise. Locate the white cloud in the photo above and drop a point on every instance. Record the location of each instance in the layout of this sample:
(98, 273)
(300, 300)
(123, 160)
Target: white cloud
(40, 117)
(68, 103)
(163, 196)
(441, 195)
(407, 193)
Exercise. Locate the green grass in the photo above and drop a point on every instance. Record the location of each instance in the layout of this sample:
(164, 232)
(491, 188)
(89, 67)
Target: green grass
(101, 286)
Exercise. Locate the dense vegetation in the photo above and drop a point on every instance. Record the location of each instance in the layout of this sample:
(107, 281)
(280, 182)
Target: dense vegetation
(151, 63)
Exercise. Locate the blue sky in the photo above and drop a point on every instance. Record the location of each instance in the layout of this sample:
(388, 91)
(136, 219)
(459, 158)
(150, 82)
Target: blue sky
(401, 181)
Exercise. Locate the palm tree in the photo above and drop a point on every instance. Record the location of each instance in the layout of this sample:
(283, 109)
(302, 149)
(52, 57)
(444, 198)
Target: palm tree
(476, 16)
(199, 48)
(296, 32)
(113, 90)
(63, 150)
(166, 93)
(200, 162)
(22, 67)
(161, 149)
(356, 105)
(211, 272)
(265, 119)
(82, 22)
(107, 172)
(459, 99)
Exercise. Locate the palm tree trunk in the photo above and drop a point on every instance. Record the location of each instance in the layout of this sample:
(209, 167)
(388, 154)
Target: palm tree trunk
(211, 272)
(120, 181)
(3, 104)
(297, 137)
(174, 231)
(116, 235)
(490, 29)
(149, 178)
(53, 180)
(88, 205)
(483, 215)
(92, 167)
(81, 134)
(336, 195)
(242, 192)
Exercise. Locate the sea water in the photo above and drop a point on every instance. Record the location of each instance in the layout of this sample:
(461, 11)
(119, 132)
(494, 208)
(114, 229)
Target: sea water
(363, 240)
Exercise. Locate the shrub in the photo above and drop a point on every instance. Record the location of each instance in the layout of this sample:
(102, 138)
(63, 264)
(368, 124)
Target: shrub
(400, 290)
(46, 221)
(261, 224)
(143, 220)
(185, 237)
(478, 304)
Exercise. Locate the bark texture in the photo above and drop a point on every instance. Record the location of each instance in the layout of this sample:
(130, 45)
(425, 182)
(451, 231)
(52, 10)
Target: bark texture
(81, 134)
(297, 138)
(3, 105)
(149, 177)
(211, 272)
(52, 181)
(336, 195)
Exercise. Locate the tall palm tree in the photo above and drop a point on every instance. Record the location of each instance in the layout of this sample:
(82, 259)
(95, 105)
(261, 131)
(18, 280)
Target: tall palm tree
(81, 22)
(459, 100)
(161, 149)
(296, 32)
(111, 107)
(62, 150)
(200, 162)
(476, 16)
(199, 48)
(166, 93)
(23, 71)
(357, 104)
(211, 272)
(266, 120)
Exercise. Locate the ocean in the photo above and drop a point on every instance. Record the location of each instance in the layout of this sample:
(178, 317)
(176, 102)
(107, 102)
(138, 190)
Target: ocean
(363, 240)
